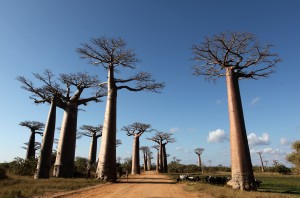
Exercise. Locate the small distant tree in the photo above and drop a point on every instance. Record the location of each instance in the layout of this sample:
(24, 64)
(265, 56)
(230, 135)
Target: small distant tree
(266, 163)
(199, 152)
(261, 160)
(145, 150)
(94, 133)
(294, 157)
(162, 139)
(235, 55)
(136, 130)
(35, 128)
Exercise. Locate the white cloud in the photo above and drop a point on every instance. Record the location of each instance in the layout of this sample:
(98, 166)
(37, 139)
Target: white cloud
(255, 100)
(285, 141)
(173, 130)
(255, 140)
(217, 136)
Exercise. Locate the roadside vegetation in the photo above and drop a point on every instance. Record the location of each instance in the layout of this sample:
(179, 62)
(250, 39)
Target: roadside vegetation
(16, 178)
(277, 181)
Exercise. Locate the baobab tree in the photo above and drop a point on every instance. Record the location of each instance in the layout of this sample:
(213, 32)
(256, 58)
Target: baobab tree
(149, 157)
(146, 151)
(162, 139)
(35, 128)
(50, 92)
(37, 146)
(261, 160)
(266, 163)
(157, 157)
(69, 100)
(136, 130)
(235, 56)
(112, 55)
(199, 152)
(93, 132)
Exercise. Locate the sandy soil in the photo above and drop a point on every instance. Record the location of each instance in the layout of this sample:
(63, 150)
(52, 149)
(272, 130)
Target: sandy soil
(149, 184)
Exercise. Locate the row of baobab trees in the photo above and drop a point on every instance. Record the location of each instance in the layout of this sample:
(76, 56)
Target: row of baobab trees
(233, 55)
(94, 132)
(66, 92)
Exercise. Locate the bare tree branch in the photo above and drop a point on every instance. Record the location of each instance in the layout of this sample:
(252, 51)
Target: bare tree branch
(239, 51)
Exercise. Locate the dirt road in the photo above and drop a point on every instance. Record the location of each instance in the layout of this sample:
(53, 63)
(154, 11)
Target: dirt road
(149, 184)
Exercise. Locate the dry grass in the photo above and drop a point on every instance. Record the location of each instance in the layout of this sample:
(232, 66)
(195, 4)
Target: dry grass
(273, 186)
(26, 187)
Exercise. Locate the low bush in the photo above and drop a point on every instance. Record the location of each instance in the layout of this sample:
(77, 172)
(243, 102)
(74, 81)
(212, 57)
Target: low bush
(23, 167)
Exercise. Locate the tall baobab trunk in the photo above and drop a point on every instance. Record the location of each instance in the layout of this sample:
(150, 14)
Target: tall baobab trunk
(149, 161)
(93, 149)
(165, 159)
(64, 163)
(161, 165)
(261, 160)
(44, 162)
(136, 156)
(200, 162)
(157, 161)
(106, 169)
(145, 160)
(241, 167)
(31, 144)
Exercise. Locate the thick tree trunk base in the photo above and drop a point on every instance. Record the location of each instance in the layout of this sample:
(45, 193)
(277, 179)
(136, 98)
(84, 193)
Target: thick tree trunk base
(106, 177)
(240, 182)
(42, 172)
(61, 171)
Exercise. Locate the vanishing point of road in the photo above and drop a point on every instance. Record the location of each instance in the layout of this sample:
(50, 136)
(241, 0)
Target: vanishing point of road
(149, 184)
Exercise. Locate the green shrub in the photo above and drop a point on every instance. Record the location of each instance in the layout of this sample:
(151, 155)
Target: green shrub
(80, 167)
(282, 169)
(23, 167)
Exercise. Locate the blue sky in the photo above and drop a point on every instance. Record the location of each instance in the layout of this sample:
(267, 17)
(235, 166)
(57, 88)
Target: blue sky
(39, 35)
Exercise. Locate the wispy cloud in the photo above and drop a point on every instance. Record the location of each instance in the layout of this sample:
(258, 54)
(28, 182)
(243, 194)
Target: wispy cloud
(217, 136)
(183, 150)
(219, 101)
(255, 140)
(285, 141)
(269, 150)
(191, 129)
(255, 100)
(174, 129)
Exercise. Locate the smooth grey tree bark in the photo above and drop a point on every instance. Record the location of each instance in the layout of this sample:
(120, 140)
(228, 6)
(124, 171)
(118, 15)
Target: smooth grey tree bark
(44, 162)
